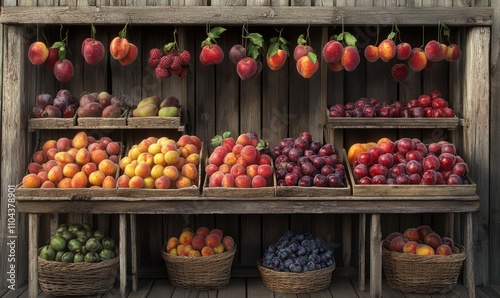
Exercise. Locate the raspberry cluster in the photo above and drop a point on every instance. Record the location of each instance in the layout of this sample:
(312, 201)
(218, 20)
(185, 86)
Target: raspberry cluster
(172, 63)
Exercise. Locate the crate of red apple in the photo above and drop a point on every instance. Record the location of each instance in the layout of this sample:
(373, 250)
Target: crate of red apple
(412, 260)
(239, 167)
(408, 167)
(158, 168)
(78, 166)
(426, 111)
(307, 167)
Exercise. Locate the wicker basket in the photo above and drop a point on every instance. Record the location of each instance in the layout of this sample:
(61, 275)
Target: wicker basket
(422, 274)
(200, 273)
(60, 279)
(296, 283)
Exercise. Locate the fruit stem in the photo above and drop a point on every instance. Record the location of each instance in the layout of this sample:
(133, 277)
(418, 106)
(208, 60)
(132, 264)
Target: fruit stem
(378, 33)
(93, 31)
(176, 45)
(423, 36)
(307, 34)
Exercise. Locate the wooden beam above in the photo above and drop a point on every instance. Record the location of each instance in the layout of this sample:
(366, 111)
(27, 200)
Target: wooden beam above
(262, 15)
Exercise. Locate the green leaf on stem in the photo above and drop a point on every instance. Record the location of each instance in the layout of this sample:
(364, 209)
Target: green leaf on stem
(350, 40)
(312, 56)
(216, 140)
(273, 49)
(226, 134)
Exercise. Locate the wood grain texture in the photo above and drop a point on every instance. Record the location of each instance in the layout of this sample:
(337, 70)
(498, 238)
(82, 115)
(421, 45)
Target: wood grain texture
(376, 257)
(14, 114)
(494, 224)
(478, 132)
(254, 14)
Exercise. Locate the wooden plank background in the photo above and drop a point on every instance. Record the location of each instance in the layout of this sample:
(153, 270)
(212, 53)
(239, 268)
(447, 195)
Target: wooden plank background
(275, 104)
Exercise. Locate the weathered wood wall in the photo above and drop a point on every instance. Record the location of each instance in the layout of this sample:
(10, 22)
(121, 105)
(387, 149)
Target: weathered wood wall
(275, 104)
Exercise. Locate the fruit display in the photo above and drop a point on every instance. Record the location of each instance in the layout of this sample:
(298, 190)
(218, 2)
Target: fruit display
(53, 58)
(239, 163)
(200, 243)
(123, 50)
(305, 162)
(211, 53)
(307, 60)
(154, 106)
(297, 253)
(161, 163)
(407, 161)
(421, 240)
(92, 49)
(79, 162)
(341, 53)
(169, 60)
(277, 53)
(425, 106)
(246, 56)
(100, 104)
(64, 105)
(77, 243)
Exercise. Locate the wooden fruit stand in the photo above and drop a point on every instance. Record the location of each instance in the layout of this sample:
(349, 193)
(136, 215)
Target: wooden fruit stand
(272, 105)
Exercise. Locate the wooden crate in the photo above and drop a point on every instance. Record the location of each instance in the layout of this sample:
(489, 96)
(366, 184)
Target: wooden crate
(65, 193)
(393, 190)
(314, 191)
(382, 123)
(51, 123)
(103, 123)
(240, 193)
(153, 121)
(164, 194)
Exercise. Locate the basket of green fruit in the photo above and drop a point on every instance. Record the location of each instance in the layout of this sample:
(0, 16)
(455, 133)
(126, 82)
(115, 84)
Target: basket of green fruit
(297, 264)
(77, 261)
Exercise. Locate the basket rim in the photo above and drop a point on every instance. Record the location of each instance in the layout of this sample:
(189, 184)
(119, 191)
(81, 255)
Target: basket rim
(170, 257)
(398, 254)
(265, 270)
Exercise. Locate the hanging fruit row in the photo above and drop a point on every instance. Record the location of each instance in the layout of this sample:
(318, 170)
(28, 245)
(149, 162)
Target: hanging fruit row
(340, 53)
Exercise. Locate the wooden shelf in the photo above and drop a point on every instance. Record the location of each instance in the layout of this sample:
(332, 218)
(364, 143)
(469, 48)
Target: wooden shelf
(283, 205)
(362, 123)
(253, 15)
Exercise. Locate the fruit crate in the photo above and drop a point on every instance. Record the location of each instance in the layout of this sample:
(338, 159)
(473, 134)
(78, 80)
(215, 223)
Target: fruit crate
(378, 122)
(186, 193)
(240, 193)
(154, 121)
(51, 123)
(76, 194)
(103, 123)
(312, 192)
(390, 191)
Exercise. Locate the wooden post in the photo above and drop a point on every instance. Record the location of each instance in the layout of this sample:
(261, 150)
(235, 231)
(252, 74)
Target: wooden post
(133, 251)
(362, 251)
(33, 255)
(375, 257)
(346, 240)
(123, 254)
(469, 259)
(476, 153)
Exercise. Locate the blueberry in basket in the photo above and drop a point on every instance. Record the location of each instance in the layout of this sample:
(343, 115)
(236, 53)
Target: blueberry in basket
(297, 253)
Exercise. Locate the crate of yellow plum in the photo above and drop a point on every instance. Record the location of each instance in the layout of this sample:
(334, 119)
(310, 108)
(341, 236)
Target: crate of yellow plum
(199, 259)
(76, 167)
(158, 168)
(421, 261)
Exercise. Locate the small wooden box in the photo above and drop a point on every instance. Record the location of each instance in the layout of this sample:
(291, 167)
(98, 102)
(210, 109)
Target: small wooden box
(103, 123)
(76, 194)
(315, 191)
(379, 122)
(186, 193)
(51, 123)
(154, 121)
(240, 193)
(395, 190)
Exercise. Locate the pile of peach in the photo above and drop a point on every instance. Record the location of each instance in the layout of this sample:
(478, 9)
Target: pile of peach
(161, 163)
(421, 241)
(203, 242)
(74, 163)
